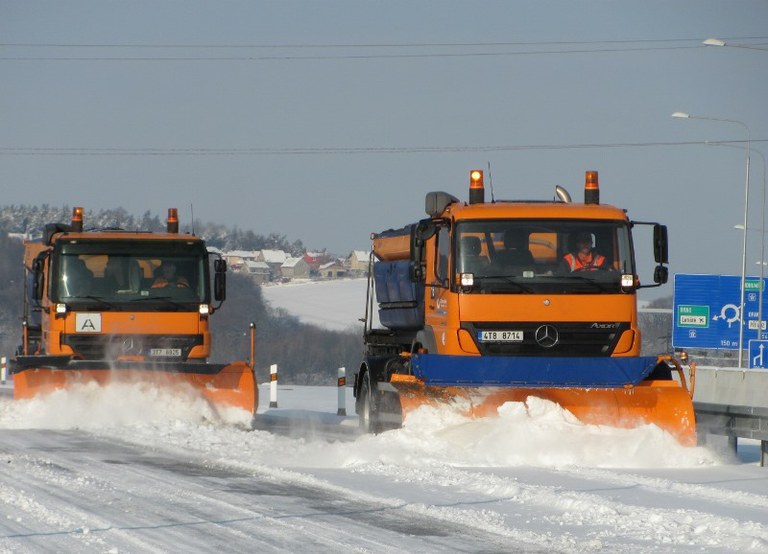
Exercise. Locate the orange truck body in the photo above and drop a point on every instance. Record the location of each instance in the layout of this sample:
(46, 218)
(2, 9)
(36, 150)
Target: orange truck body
(456, 322)
(93, 312)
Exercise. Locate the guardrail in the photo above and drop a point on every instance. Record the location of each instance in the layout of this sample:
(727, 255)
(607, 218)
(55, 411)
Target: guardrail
(732, 402)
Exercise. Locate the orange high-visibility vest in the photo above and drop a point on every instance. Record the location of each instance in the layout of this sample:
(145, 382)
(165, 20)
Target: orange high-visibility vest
(576, 263)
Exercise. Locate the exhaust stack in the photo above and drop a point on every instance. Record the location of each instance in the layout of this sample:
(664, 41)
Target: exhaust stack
(476, 188)
(562, 194)
(591, 188)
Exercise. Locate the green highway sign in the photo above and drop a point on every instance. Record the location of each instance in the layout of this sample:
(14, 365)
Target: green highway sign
(693, 316)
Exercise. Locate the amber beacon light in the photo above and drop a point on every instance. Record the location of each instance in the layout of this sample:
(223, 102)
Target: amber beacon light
(173, 220)
(476, 188)
(591, 188)
(77, 219)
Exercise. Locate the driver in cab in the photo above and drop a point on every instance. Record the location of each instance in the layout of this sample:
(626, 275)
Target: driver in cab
(584, 258)
(168, 278)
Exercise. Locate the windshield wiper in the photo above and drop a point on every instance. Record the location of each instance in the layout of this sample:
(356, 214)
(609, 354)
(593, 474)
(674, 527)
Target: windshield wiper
(166, 299)
(597, 284)
(99, 299)
(506, 280)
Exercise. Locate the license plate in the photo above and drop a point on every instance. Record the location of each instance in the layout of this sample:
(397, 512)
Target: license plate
(500, 336)
(165, 352)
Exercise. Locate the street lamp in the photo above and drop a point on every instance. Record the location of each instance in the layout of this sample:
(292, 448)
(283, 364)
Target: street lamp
(721, 42)
(684, 115)
(762, 263)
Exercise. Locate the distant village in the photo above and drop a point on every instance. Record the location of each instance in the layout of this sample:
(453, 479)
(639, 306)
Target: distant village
(277, 266)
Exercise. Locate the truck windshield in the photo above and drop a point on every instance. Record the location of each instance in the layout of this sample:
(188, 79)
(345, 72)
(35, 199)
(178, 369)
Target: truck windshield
(120, 272)
(543, 256)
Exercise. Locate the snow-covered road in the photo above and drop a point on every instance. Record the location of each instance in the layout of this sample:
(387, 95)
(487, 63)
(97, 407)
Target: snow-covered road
(132, 470)
(65, 491)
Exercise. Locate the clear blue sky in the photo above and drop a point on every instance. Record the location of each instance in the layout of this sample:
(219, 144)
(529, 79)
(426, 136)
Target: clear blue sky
(325, 121)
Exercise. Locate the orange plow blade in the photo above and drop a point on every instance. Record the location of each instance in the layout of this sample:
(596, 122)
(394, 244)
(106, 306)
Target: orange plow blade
(662, 403)
(231, 385)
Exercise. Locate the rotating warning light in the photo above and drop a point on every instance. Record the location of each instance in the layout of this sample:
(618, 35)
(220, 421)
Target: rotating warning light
(476, 188)
(77, 219)
(591, 188)
(173, 220)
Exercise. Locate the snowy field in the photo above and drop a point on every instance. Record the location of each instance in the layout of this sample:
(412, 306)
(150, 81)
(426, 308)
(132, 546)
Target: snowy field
(336, 305)
(132, 469)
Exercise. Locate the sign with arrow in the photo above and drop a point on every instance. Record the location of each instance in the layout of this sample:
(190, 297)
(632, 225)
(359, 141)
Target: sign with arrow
(707, 313)
(758, 354)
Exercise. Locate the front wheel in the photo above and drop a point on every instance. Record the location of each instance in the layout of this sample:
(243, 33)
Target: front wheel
(367, 412)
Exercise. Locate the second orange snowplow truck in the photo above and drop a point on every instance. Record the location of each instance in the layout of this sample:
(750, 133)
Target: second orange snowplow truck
(110, 305)
(490, 302)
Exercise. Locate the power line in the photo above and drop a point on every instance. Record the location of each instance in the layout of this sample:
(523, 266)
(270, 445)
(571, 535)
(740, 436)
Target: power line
(555, 47)
(343, 150)
(333, 57)
(363, 45)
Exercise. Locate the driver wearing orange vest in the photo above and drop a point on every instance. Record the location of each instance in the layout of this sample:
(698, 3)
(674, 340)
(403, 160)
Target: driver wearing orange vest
(585, 258)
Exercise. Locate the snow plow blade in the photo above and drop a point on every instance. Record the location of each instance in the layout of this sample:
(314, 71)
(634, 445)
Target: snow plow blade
(663, 402)
(222, 385)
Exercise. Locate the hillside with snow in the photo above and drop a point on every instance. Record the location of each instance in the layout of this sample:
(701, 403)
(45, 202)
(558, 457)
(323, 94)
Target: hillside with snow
(336, 304)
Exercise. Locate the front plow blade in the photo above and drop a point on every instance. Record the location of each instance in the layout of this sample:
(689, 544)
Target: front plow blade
(222, 385)
(661, 403)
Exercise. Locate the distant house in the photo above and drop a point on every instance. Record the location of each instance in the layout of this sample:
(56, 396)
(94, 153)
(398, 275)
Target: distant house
(258, 271)
(332, 270)
(236, 259)
(294, 268)
(357, 262)
(315, 260)
(273, 258)
(22, 236)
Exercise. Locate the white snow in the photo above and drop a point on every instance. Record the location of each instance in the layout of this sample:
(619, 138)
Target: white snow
(88, 470)
(335, 304)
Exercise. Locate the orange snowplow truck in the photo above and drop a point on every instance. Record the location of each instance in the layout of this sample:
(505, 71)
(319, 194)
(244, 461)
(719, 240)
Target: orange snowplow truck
(113, 305)
(490, 302)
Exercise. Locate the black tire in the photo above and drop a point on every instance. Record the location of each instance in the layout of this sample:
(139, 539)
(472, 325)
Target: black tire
(367, 413)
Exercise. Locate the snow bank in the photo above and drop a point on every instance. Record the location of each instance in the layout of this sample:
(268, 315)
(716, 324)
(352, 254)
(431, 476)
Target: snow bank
(539, 433)
(90, 406)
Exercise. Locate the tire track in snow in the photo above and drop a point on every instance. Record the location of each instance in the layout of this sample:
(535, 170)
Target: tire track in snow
(619, 523)
(90, 494)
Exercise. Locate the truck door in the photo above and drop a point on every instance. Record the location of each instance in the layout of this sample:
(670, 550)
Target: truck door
(438, 286)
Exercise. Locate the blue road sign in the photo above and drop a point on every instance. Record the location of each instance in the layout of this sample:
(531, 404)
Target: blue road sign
(758, 354)
(707, 314)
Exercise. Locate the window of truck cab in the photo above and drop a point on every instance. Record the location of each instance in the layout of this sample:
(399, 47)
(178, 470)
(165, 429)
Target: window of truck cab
(442, 258)
(528, 256)
(120, 272)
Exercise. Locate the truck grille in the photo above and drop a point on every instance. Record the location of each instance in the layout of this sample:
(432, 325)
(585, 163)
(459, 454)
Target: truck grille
(103, 347)
(551, 339)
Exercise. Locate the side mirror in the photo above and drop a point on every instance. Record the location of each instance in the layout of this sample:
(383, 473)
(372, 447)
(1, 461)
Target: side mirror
(219, 279)
(660, 244)
(38, 281)
(424, 230)
(661, 274)
(220, 286)
(420, 234)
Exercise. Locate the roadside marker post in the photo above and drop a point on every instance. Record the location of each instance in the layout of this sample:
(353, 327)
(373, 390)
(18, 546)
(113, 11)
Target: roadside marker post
(273, 386)
(342, 386)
